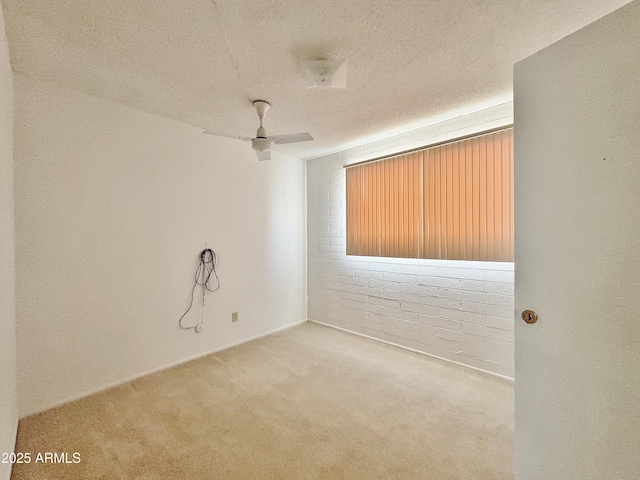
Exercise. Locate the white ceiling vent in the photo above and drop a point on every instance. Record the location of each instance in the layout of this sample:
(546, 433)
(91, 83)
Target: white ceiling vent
(323, 73)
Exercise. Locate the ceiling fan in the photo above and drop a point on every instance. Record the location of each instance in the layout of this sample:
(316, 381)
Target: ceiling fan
(262, 143)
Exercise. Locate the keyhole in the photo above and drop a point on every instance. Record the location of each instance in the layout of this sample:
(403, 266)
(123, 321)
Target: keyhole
(529, 316)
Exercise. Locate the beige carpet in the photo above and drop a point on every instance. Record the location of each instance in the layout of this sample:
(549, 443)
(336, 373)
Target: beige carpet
(307, 403)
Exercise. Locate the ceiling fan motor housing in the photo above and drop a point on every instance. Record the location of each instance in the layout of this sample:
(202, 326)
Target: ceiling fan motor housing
(261, 144)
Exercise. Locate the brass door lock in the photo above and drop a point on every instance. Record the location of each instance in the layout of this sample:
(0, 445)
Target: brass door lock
(529, 316)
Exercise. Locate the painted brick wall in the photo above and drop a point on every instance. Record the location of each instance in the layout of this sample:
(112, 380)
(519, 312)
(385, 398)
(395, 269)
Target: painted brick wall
(459, 311)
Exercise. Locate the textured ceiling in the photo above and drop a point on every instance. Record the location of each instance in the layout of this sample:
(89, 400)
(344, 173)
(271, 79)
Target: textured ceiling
(203, 61)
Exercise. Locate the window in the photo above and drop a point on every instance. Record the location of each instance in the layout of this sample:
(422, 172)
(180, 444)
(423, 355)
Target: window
(448, 201)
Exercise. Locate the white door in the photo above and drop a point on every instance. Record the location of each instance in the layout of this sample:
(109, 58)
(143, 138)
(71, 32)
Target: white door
(577, 194)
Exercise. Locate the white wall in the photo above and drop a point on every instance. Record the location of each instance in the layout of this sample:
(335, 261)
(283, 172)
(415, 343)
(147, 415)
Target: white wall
(8, 407)
(459, 311)
(113, 207)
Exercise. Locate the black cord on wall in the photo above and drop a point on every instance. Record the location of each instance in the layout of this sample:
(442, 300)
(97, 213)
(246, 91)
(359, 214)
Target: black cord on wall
(209, 261)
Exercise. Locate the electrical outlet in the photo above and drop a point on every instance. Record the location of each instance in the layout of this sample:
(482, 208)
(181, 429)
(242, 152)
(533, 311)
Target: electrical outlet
(234, 316)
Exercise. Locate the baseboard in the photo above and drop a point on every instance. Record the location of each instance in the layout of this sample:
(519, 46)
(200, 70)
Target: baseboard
(493, 374)
(82, 395)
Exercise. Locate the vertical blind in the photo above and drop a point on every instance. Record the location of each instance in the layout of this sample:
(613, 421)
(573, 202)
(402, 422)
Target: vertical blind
(452, 201)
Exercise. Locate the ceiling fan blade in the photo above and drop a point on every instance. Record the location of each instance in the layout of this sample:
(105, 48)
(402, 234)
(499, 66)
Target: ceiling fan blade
(210, 132)
(265, 155)
(290, 138)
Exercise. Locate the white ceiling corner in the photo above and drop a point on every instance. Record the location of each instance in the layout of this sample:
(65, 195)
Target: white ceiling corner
(202, 62)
